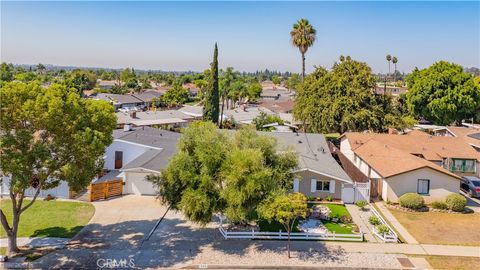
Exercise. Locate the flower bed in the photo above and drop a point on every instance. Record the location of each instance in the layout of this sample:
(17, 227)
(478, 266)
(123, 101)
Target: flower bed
(427, 209)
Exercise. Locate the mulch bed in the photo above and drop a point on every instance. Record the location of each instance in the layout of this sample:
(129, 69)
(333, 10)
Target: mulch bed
(427, 209)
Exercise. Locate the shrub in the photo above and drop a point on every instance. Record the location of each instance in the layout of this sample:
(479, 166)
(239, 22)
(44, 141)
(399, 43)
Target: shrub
(456, 202)
(411, 200)
(361, 204)
(381, 229)
(329, 198)
(346, 219)
(439, 205)
(374, 220)
(310, 198)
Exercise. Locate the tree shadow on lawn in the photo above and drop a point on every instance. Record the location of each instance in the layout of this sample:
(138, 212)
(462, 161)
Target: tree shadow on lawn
(57, 232)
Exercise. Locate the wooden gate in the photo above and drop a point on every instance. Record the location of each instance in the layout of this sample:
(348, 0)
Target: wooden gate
(105, 190)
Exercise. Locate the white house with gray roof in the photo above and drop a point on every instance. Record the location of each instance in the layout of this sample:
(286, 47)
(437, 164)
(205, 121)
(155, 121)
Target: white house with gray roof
(136, 153)
(319, 174)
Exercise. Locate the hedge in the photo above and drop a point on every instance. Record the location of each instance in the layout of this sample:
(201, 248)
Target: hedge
(411, 200)
(456, 202)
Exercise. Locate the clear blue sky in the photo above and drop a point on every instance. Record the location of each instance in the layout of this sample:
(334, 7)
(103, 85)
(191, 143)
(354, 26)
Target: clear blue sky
(250, 35)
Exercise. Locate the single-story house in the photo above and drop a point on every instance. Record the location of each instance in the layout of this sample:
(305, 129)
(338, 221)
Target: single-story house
(148, 96)
(470, 135)
(121, 101)
(174, 118)
(397, 164)
(245, 114)
(136, 153)
(319, 174)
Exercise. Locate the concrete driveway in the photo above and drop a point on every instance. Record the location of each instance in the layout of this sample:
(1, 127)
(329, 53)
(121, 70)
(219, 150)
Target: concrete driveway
(472, 203)
(115, 232)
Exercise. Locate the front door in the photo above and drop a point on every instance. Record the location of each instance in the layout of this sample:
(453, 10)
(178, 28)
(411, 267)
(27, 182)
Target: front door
(118, 159)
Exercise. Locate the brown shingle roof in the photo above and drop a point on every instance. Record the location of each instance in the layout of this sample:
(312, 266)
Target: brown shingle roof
(389, 161)
(433, 148)
(465, 134)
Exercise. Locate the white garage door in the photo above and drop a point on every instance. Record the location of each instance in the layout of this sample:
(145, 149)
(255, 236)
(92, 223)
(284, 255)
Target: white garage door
(135, 183)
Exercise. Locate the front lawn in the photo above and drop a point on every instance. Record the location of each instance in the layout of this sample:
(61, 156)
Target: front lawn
(338, 227)
(50, 218)
(441, 228)
(451, 262)
(274, 226)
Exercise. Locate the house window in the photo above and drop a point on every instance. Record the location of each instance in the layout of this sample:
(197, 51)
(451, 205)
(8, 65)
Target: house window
(463, 165)
(323, 185)
(118, 159)
(423, 186)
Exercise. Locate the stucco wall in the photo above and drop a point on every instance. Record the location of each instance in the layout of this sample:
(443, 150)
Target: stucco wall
(135, 183)
(346, 149)
(441, 185)
(130, 152)
(305, 178)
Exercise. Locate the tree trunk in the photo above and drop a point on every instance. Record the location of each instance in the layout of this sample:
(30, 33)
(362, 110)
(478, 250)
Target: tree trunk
(221, 114)
(288, 244)
(303, 66)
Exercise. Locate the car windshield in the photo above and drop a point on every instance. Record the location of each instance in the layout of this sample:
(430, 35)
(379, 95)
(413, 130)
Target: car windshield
(476, 183)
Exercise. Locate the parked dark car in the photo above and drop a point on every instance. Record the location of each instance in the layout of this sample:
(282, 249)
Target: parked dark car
(471, 186)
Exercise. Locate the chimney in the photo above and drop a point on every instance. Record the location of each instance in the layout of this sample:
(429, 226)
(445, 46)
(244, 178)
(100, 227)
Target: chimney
(127, 127)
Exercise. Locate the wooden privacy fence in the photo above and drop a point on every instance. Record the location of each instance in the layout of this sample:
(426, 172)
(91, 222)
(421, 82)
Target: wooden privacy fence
(293, 236)
(105, 190)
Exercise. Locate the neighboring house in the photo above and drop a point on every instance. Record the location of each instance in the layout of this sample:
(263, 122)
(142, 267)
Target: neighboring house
(61, 191)
(173, 118)
(107, 85)
(192, 89)
(195, 111)
(148, 96)
(278, 106)
(276, 94)
(319, 174)
(136, 153)
(245, 115)
(121, 101)
(397, 164)
(470, 135)
(393, 90)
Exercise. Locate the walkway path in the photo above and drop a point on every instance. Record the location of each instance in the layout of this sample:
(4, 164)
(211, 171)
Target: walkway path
(54, 242)
(357, 219)
(395, 223)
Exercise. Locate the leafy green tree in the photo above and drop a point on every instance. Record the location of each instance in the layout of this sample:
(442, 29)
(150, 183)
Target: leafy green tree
(285, 209)
(49, 135)
(303, 36)
(293, 81)
(276, 80)
(265, 119)
(175, 96)
(215, 172)
(128, 74)
(254, 91)
(6, 72)
(212, 99)
(191, 182)
(225, 83)
(339, 100)
(81, 80)
(107, 76)
(443, 93)
(26, 76)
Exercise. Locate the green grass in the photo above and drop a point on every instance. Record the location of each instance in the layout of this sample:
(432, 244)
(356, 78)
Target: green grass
(3, 251)
(337, 210)
(388, 222)
(338, 227)
(50, 218)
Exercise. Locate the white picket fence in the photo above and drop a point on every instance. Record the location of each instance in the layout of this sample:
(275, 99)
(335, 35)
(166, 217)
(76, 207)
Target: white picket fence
(391, 236)
(293, 236)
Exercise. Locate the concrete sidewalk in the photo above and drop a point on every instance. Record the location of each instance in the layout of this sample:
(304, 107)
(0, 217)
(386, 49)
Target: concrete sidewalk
(395, 223)
(357, 219)
(409, 249)
(34, 242)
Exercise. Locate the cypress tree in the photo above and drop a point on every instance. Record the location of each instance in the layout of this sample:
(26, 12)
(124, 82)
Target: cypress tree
(212, 98)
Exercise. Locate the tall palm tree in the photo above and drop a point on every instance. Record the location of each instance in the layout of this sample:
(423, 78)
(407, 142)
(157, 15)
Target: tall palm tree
(303, 36)
(389, 58)
(394, 61)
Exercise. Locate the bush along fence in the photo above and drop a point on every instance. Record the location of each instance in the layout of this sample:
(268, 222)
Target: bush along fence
(387, 237)
(293, 236)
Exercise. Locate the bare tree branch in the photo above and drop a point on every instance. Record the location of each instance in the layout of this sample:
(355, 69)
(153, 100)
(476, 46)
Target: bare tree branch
(31, 202)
